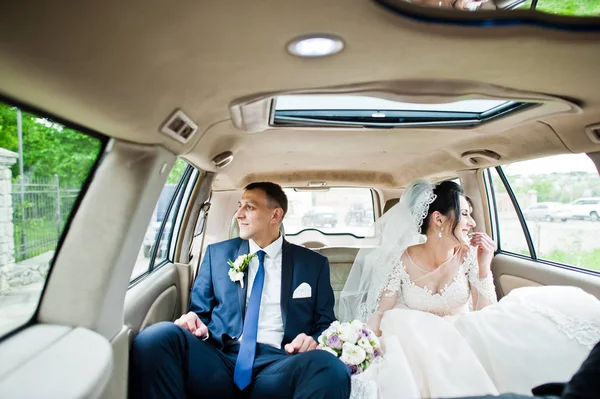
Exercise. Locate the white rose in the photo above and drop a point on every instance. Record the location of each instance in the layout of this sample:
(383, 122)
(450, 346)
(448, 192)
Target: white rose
(328, 349)
(375, 342)
(336, 324)
(231, 273)
(239, 276)
(366, 345)
(352, 355)
(348, 333)
(238, 262)
(322, 339)
(357, 324)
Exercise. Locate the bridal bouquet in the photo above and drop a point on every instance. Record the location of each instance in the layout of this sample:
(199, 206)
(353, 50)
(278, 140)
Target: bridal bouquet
(354, 343)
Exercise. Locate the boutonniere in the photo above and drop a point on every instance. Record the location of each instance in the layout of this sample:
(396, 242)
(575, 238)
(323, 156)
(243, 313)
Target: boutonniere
(237, 268)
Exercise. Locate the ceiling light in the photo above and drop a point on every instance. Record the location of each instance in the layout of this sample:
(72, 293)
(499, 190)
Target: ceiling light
(315, 45)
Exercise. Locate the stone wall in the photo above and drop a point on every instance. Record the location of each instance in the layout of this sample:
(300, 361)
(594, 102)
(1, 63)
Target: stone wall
(7, 246)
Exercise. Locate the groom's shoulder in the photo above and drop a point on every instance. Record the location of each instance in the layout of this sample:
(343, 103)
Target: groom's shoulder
(227, 244)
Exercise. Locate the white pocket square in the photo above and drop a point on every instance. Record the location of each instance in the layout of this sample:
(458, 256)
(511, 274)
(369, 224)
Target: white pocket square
(302, 291)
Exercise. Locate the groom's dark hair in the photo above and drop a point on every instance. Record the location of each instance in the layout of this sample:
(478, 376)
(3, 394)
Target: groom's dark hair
(275, 195)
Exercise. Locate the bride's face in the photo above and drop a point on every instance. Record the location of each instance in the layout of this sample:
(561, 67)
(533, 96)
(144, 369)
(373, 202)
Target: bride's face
(465, 222)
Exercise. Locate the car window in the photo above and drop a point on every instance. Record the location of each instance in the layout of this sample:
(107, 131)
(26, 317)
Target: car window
(566, 232)
(335, 210)
(157, 239)
(509, 235)
(44, 167)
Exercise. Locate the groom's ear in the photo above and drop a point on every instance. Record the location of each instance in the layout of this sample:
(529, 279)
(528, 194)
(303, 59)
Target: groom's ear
(277, 215)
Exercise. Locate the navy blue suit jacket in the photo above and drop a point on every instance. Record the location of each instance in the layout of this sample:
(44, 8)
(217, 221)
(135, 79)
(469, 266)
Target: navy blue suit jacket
(221, 303)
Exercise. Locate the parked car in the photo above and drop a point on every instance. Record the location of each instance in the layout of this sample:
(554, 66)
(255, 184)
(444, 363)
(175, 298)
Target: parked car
(360, 213)
(586, 208)
(320, 216)
(548, 211)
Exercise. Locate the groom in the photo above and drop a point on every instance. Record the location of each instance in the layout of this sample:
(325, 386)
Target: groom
(251, 338)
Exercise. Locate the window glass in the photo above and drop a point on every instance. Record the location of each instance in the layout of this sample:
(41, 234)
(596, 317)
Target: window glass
(331, 211)
(43, 168)
(560, 199)
(152, 232)
(349, 110)
(511, 234)
(172, 227)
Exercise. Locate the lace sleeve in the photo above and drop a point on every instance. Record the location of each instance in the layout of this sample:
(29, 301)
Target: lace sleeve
(394, 280)
(483, 292)
(387, 296)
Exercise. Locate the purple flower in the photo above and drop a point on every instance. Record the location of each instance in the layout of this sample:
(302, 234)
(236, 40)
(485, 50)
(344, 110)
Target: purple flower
(376, 353)
(364, 333)
(353, 369)
(334, 342)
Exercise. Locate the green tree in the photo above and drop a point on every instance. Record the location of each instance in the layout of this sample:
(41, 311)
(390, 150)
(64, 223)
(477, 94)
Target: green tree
(48, 148)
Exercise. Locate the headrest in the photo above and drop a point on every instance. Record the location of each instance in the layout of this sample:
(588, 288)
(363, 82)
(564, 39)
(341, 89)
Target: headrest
(390, 203)
(234, 229)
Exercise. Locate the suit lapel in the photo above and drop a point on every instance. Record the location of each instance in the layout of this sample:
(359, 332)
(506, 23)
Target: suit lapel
(243, 250)
(287, 272)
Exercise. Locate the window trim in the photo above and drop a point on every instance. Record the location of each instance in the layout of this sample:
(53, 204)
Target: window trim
(179, 214)
(492, 206)
(513, 199)
(175, 202)
(365, 118)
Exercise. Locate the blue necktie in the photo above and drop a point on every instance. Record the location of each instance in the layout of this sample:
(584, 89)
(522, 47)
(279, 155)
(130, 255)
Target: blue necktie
(245, 360)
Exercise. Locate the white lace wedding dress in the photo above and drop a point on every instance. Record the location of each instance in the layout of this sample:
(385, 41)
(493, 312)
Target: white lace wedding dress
(435, 346)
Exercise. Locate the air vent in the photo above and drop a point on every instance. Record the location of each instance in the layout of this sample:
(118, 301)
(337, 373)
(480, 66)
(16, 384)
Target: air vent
(179, 126)
(593, 132)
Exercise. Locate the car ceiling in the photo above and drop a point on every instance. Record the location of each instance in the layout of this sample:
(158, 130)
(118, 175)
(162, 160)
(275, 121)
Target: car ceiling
(121, 68)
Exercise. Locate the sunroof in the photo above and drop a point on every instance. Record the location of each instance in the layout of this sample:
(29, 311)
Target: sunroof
(365, 111)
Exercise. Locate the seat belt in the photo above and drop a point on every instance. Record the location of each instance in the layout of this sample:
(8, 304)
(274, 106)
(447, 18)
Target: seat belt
(196, 262)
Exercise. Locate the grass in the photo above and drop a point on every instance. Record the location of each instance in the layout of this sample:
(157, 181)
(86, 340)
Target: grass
(586, 260)
(588, 8)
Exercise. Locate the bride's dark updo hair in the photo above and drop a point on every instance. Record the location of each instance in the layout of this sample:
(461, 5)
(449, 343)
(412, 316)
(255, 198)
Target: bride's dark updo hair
(448, 199)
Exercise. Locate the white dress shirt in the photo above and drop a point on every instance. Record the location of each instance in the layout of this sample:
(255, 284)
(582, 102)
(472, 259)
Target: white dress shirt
(270, 322)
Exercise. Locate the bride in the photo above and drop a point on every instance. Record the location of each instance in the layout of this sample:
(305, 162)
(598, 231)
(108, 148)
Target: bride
(427, 289)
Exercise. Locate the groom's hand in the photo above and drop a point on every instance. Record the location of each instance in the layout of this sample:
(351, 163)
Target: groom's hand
(302, 343)
(192, 323)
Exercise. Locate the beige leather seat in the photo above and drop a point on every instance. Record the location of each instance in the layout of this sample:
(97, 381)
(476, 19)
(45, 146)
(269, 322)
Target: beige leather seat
(390, 203)
(340, 263)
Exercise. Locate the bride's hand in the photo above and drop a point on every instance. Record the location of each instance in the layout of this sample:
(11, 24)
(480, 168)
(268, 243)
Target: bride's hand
(485, 252)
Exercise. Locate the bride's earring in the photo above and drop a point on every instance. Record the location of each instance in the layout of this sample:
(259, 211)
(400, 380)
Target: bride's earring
(440, 233)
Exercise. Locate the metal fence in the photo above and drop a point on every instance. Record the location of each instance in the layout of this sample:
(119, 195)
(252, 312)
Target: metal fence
(40, 210)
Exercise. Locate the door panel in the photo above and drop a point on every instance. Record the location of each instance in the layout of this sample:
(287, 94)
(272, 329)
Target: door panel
(158, 297)
(117, 386)
(512, 272)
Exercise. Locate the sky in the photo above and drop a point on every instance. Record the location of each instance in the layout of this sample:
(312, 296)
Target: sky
(556, 163)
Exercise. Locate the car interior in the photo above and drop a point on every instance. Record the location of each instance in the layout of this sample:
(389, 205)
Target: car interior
(202, 98)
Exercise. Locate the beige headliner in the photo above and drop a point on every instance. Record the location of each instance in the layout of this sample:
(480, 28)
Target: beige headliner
(122, 67)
